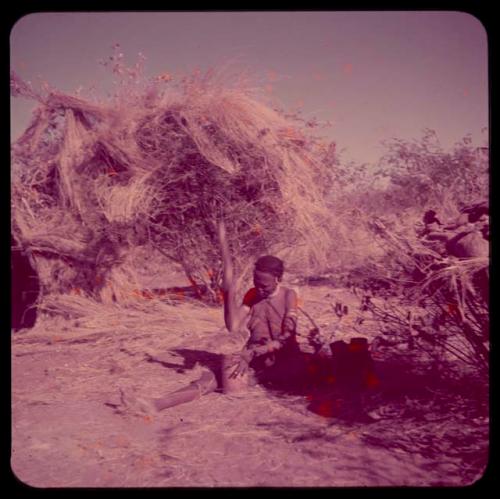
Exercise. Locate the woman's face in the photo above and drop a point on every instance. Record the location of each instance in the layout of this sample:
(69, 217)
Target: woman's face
(264, 283)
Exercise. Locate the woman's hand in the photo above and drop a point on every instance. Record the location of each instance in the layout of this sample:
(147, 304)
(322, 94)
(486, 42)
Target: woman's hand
(289, 324)
(241, 368)
(245, 357)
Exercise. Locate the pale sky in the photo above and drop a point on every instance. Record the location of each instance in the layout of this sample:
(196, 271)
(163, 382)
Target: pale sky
(374, 75)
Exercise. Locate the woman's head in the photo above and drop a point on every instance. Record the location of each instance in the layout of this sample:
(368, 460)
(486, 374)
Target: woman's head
(267, 273)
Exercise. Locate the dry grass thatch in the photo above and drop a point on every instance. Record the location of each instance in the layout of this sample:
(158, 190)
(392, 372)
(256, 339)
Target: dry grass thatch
(91, 182)
(443, 300)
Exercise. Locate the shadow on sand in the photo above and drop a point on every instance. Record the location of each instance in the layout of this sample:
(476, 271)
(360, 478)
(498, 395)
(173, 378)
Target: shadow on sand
(337, 387)
(326, 390)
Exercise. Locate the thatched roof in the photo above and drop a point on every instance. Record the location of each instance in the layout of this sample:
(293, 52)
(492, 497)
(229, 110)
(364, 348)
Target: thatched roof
(161, 170)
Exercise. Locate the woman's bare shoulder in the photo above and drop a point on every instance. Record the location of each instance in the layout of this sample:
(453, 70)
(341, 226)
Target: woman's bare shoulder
(291, 290)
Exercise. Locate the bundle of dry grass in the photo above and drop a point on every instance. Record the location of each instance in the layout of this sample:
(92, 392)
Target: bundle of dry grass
(91, 182)
(443, 299)
(150, 315)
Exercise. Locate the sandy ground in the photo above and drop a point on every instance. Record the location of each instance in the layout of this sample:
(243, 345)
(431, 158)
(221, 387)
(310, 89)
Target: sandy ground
(70, 431)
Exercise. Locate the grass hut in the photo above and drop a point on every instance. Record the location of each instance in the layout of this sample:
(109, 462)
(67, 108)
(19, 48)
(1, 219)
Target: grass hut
(92, 182)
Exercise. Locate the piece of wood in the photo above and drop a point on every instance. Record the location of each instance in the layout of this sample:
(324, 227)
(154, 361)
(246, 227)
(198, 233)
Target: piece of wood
(206, 383)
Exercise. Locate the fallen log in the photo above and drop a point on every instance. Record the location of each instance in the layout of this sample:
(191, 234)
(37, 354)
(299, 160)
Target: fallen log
(206, 383)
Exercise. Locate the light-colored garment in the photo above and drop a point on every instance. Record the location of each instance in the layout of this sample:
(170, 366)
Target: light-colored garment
(266, 316)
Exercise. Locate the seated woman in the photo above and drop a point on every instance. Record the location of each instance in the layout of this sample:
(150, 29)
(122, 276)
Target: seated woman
(271, 355)
(268, 315)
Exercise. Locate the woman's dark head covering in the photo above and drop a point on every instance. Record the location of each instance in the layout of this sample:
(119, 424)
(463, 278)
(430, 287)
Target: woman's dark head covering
(271, 265)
